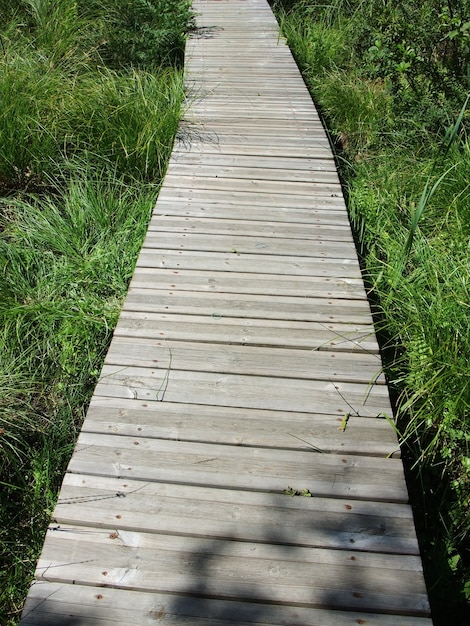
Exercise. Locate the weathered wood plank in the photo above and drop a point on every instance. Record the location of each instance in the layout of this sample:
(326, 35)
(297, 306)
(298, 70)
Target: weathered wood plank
(210, 143)
(237, 107)
(302, 309)
(238, 515)
(229, 569)
(250, 228)
(176, 260)
(239, 173)
(303, 102)
(240, 467)
(348, 338)
(246, 212)
(274, 164)
(245, 196)
(55, 604)
(241, 427)
(233, 282)
(272, 113)
(247, 360)
(234, 390)
(274, 135)
(245, 244)
(252, 185)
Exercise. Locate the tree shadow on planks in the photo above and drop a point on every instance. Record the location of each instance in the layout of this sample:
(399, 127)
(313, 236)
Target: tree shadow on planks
(218, 594)
(45, 618)
(43, 607)
(282, 584)
(239, 603)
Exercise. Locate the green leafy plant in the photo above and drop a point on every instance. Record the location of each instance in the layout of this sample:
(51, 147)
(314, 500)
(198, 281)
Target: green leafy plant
(304, 493)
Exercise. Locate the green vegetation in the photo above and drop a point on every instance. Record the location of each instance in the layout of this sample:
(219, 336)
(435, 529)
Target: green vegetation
(391, 79)
(91, 99)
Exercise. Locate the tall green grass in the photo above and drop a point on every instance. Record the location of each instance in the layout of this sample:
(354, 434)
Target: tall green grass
(91, 98)
(390, 80)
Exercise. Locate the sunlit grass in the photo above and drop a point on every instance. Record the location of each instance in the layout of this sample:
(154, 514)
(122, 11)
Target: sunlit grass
(85, 136)
(406, 178)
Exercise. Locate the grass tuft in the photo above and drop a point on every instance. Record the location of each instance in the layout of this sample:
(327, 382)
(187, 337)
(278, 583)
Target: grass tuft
(396, 100)
(85, 136)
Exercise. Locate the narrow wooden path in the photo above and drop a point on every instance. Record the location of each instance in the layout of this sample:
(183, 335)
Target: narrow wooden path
(244, 368)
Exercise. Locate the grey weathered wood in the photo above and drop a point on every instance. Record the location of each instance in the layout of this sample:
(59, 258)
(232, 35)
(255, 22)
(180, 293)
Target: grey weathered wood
(211, 143)
(244, 244)
(241, 427)
(240, 173)
(187, 565)
(263, 284)
(253, 185)
(230, 261)
(248, 360)
(55, 603)
(236, 390)
(239, 467)
(350, 338)
(353, 525)
(244, 367)
(247, 196)
(251, 228)
(302, 309)
(246, 212)
(273, 164)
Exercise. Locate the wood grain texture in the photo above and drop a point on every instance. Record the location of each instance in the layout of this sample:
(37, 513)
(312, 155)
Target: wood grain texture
(241, 427)
(238, 462)
(55, 604)
(228, 330)
(215, 568)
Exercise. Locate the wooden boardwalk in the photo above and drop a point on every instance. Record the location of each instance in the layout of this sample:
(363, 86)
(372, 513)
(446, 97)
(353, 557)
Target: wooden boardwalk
(244, 368)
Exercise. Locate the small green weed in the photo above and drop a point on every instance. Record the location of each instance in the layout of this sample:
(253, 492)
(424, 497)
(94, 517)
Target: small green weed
(304, 493)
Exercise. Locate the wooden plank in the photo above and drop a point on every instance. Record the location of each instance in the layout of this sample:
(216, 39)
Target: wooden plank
(248, 306)
(236, 70)
(222, 141)
(240, 468)
(262, 284)
(290, 188)
(240, 173)
(251, 228)
(268, 128)
(233, 390)
(241, 427)
(211, 144)
(247, 360)
(352, 525)
(275, 164)
(248, 197)
(176, 260)
(348, 338)
(54, 603)
(220, 210)
(229, 569)
(195, 89)
(245, 244)
(300, 103)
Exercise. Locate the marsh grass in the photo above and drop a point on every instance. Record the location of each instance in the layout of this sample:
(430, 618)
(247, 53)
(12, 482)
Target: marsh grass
(85, 137)
(404, 158)
(66, 260)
